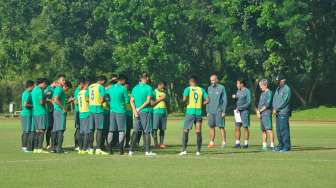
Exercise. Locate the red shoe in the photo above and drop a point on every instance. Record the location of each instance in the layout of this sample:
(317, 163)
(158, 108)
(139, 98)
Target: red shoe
(211, 145)
(162, 146)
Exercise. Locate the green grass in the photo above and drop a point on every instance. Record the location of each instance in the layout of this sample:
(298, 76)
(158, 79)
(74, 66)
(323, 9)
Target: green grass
(312, 163)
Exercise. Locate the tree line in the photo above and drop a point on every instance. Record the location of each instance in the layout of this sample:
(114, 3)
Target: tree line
(172, 39)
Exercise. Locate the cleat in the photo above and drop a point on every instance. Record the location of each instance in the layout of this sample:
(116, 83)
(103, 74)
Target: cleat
(77, 149)
(80, 152)
(150, 154)
(24, 149)
(130, 153)
(223, 145)
(284, 151)
(91, 152)
(98, 151)
(237, 146)
(35, 151)
(264, 148)
(211, 145)
(60, 151)
(183, 153)
(162, 146)
(277, 149)
(104, 153)
(245, 146)
(48, 147)
(198, 153)
(43, 151)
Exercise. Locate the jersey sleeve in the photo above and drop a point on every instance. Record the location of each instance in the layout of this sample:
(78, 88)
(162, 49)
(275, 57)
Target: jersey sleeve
(204, 93)
(101, 91)
(186, 92)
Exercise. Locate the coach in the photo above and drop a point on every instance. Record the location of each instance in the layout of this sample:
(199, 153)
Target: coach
(281, 108)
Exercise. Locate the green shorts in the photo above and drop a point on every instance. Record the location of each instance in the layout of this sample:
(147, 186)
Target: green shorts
(266, 120)
(216, 120)
(143, 122)
(117, 122)
(59, 121)
(245, 117)
(159, 121)
(26, 124)
(39, 122)
(84, 126)
(97, 121)
(190, 120)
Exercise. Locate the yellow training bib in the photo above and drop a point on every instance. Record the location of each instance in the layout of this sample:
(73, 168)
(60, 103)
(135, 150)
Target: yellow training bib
(94, 97)
(161, 104)
(83, 104)
(195, 97)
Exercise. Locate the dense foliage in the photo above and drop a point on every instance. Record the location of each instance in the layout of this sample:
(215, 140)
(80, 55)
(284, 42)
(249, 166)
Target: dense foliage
(171, 39)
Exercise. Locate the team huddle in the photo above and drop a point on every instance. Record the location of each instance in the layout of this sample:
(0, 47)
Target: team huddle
(107, 112)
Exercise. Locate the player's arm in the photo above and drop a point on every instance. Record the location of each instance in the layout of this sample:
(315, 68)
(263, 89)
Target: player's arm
(146, 103)
(156, 101)
(70, 100)
(102, 94)
(58, 103)
(205, 97)
(135, 112)
(27, 105)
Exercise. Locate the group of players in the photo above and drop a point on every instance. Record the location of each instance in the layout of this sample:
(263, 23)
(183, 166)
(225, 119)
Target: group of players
(106, 113)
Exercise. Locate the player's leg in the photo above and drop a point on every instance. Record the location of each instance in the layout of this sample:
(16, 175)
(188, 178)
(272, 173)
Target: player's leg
(99, 121)
(285, 133)
(162, 128)
(278, 132)
(24, 132)
(48, 128)
(212, 131)
(59, 129)
(198, 130)
(121, 122)
(135, 134)
(264, 139)
(188, 123)
(237, 134)
(112, 129)
(156, 122)
(77, 131)
(146, 122)
(129, 126)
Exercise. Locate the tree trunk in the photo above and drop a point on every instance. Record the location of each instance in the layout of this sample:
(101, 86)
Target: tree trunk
(300, 97)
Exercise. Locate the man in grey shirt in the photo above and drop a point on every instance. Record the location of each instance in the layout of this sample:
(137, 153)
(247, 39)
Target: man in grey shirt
(281, 108)
(216, 109)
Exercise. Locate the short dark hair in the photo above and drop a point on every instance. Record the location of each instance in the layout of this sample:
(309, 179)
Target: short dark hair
(61, 75)
(193, 78)
(29, 83)
(214, 74)
(143, 75)
(161, 82)
(81, 80)
(41, 80)
(68, 84)
(102, 78)
(122, 77)
(242, 80)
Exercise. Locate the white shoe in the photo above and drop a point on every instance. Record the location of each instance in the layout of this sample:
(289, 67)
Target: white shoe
(198, 153)
(223, 144)
(130, 153)
(98, 151)
(77, 149)
(150, 154)
(183, 153)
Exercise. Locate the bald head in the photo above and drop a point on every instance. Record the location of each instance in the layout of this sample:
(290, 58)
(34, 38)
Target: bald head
(213, 79)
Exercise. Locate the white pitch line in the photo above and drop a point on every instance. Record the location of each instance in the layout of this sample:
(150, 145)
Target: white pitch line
(114, 157)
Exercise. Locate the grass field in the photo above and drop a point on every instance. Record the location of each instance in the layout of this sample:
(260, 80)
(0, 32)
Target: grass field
(312, 163)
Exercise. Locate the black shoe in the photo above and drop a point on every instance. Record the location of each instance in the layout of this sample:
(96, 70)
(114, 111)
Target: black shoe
(59, 151)
(245, 146)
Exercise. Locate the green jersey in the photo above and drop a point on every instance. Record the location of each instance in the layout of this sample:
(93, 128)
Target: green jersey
(37, 96)
(26, 98)
(76, 98)
(196, 96)
(59, 92)
(140, 93)
(118, 98)
(48, 92)
(265, 100)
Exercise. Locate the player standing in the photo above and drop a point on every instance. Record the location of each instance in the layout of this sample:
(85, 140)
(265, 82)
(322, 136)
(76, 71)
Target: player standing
(26, 117)
(84, 117)
(140, 101)
(39, 114)
(159, 114)
(96, 99)
(264, 113)
(216, 109)
(195, 97)
(243, 102)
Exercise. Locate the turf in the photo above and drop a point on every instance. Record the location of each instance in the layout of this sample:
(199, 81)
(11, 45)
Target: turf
(312, 163)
